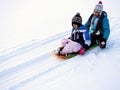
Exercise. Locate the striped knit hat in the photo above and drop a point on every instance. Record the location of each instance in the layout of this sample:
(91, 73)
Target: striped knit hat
(99, 7)
(77, 19)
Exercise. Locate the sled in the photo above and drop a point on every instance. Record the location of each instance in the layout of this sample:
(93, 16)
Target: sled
(64, 57)
(70, 55)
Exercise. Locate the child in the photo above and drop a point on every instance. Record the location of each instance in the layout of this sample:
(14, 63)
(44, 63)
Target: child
(98, 25)
(79, 41)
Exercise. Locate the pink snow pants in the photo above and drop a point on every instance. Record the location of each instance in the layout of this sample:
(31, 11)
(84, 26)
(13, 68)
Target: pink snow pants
(70, 46)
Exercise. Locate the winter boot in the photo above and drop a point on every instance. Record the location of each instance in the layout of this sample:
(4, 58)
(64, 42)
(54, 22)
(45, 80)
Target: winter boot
(57, 51)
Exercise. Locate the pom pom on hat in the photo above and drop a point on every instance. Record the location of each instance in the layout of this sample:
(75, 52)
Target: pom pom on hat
(99, 7)
(77, 19)
(100, 2)
(77, 14)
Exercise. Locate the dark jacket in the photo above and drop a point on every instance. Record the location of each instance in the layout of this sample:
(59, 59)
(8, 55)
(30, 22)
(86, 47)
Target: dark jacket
(81, 36)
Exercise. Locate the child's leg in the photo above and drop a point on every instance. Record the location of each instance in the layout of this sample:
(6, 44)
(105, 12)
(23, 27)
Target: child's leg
(65, 41)
(76, 47)
(71, 47)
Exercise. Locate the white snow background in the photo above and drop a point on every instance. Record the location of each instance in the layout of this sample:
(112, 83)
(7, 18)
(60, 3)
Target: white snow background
(31, 29)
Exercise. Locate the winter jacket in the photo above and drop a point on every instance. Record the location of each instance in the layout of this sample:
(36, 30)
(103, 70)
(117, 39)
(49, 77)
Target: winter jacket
(81, 36)
(101, 24)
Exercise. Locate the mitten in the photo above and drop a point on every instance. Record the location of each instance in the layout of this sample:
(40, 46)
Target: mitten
(82, 51)
(103, 43)
(97, 33)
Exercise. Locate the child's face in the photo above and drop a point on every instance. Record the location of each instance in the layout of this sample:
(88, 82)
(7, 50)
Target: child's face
(75, 26)
(96, 13)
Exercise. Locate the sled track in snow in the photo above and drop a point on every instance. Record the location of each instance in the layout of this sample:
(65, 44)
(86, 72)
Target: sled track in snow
(28, 46)
(23, 63)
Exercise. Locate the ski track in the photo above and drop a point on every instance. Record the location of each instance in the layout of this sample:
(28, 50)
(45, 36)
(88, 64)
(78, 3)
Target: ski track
(31, 50)
(7, 54)
(23, 63)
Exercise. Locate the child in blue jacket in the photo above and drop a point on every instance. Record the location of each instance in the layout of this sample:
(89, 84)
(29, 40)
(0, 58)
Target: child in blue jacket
(79, 40)
(98, 25)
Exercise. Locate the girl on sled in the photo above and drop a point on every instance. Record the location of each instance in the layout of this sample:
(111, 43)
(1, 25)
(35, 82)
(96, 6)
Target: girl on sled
(79, 40)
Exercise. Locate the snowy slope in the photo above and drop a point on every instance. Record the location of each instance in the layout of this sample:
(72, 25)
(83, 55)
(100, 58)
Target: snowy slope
(28, 34)
(31, 66)
(33, 55)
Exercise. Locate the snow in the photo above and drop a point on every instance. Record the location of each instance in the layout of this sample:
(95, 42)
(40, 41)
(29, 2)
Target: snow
(29, 34)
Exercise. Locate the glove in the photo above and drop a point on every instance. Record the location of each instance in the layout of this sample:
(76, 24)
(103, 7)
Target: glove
(82, 51)
(97, 33)
(103, 44)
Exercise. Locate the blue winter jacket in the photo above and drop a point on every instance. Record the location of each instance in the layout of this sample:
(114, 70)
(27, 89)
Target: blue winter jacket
(81, 36)
(105, 29)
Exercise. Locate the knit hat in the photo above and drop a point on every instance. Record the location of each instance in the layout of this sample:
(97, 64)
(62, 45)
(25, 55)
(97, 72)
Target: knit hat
(77, 19)
(99, 7)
